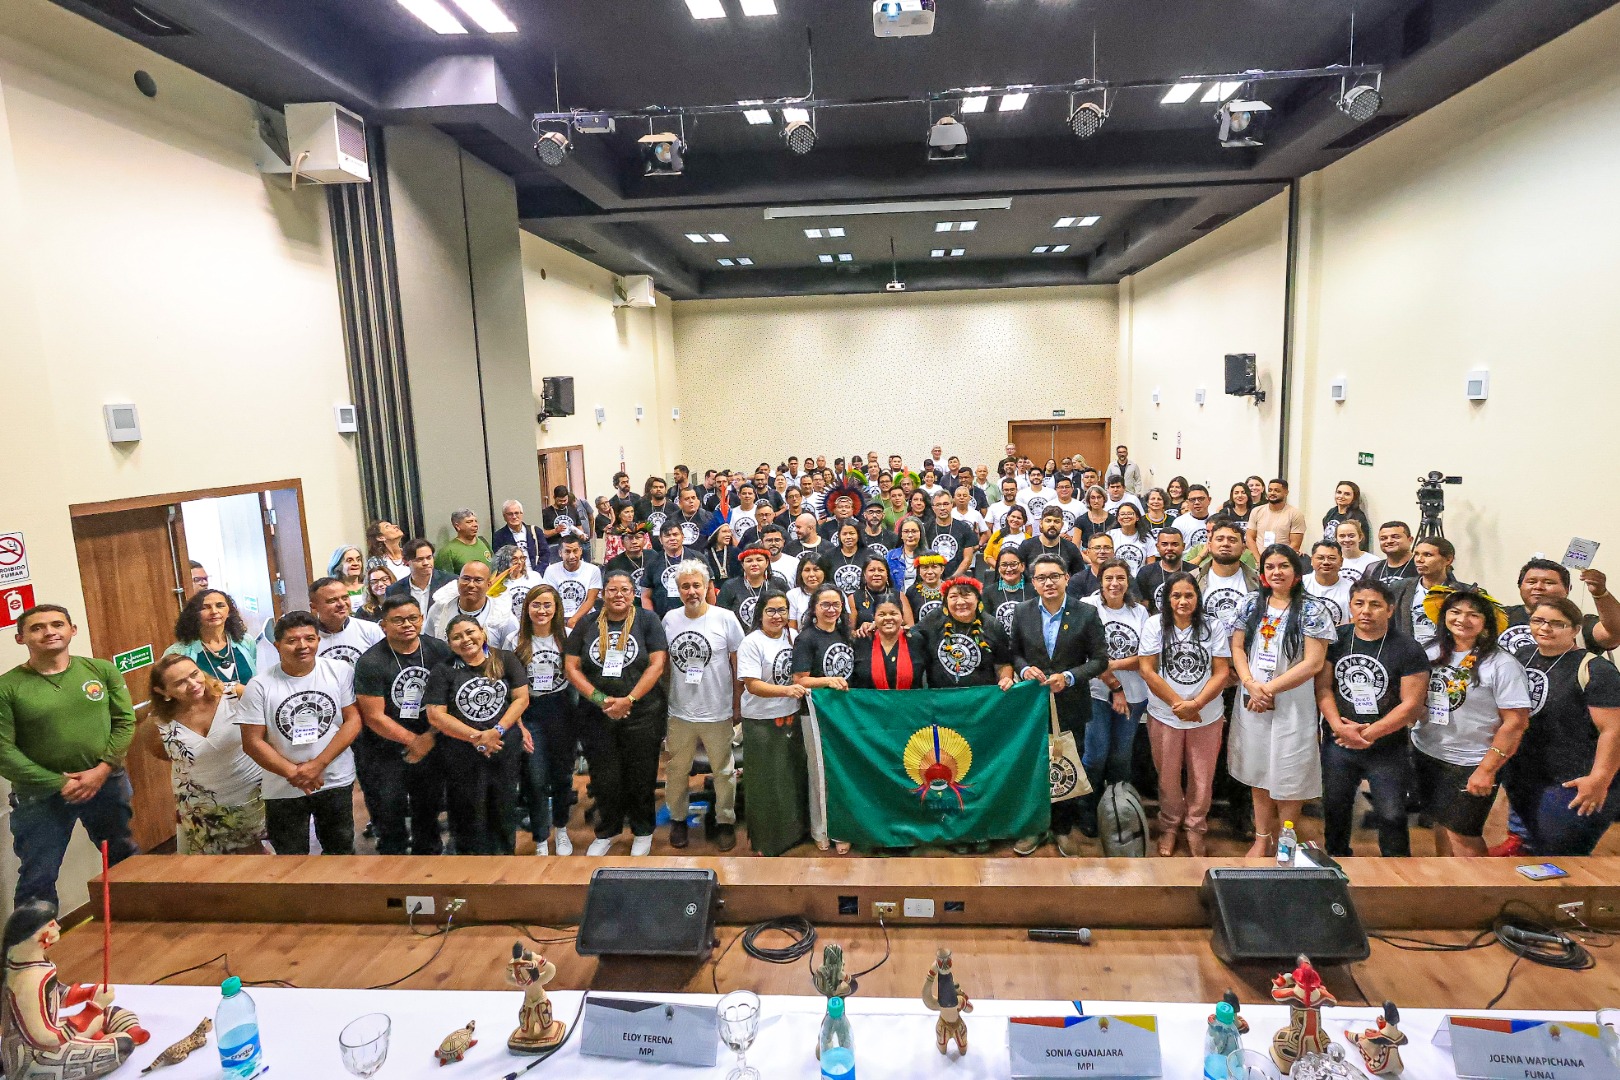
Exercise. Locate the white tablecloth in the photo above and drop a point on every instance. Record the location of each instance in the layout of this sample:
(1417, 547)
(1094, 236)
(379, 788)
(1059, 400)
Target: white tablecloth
(893, 1037)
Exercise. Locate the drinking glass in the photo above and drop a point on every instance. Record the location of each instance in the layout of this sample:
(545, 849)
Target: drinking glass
(1249, 1065)
(738, 1018)
(364, 1044)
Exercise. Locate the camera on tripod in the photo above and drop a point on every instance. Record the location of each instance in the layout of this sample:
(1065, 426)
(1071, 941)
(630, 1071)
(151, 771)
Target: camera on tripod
(1431, 500)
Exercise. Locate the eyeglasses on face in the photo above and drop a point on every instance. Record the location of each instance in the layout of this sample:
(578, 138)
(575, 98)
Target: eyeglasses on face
(1540, 623)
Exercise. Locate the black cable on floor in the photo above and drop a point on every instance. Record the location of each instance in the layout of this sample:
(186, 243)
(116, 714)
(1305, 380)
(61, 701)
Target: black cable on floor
(796, 927)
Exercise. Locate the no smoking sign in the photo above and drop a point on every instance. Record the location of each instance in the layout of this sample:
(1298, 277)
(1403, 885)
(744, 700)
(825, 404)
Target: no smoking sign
(13, 559)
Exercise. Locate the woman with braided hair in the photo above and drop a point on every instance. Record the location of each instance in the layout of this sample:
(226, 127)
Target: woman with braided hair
(963, 648)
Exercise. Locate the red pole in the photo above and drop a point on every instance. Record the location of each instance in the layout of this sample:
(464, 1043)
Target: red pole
(106, 918)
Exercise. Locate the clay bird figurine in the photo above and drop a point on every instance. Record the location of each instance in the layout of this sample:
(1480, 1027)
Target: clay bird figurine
(183, 1049)
(456, 1044)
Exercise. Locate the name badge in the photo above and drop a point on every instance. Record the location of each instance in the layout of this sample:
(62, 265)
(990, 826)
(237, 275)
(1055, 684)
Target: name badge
(1265, 663)
(650, 1031)
(694, 677)
(1053, 1046)
(305, 731)
(1363, 701)
(613, 664)
(1270, 538)
(410, 703)
(1501, 1048)
(1439, 708)
(673, 590)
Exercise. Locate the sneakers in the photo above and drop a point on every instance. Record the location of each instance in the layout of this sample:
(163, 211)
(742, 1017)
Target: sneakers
(725, 837)
(677, 834)
(563, 844)
(641, 845)
(1507, 849)
(1027, 845)
(542, 848)
(599, 848)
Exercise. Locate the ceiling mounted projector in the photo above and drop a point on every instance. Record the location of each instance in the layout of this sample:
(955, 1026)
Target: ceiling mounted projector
(902, 18)
(1243, 123)
(947, 140)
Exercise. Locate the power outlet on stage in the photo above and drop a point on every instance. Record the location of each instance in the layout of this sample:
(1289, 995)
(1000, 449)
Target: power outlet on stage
(919, 909)
(884, 910)
(420, 905)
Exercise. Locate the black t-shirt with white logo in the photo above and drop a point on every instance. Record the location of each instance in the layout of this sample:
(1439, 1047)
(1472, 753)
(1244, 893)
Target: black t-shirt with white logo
(1065, 550)
(634, 565)
(949, 541)
(823, 655)
(960, 656)
(1000, 602)
(1561, 742)
(659, 579)
(881, 544)
(1376, 667)
(741, 598)
(645, 638)
(468, 694)
(1517, 635)
(845, 570)
(400, 679)
(654, 515)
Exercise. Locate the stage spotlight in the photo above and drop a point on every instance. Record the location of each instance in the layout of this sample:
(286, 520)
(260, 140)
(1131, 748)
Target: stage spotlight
(553, 148)
(947, 140)
(800, 137)
(1243, 123)
(1361, 103)
(662, 153)
(1086, 119)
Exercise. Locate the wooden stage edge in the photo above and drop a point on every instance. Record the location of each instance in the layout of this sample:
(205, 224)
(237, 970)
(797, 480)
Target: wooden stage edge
(1143, 894)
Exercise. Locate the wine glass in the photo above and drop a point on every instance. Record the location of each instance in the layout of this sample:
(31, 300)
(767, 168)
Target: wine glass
(738, 1018)
(1244, 1064)
(364, 1043)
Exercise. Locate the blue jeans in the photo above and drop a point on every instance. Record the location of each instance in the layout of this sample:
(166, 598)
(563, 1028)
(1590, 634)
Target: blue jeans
(1551, 827)
(1109, 739)
(1387, 768)
(41, 829)
(534, 782)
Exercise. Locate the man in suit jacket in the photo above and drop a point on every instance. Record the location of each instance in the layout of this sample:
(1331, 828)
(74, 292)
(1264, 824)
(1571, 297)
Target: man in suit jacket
(1059, 641)
(424, 579)
(517, 532)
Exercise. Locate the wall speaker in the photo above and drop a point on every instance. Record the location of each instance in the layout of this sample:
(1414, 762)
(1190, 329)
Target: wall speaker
(649, 913)
(1272, 915)
(557, 395)
(1240, 374)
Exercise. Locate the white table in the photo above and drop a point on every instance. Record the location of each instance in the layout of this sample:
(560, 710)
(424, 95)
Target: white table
(894, 1038)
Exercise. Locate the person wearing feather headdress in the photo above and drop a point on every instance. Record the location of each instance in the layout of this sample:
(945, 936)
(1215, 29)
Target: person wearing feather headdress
(926, 597)
(962, 647)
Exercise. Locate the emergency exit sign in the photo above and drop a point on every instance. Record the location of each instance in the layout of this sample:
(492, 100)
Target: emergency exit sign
(127, 662)
(1364, 458)
(1060, 412)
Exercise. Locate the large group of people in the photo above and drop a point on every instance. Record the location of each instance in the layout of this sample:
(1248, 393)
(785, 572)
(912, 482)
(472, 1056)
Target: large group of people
(1261, 659)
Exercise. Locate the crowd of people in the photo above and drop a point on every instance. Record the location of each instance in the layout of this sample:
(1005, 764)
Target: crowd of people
(1263, 659)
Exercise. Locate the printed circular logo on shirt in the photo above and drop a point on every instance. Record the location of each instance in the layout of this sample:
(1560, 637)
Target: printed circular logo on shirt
(667, 578)
(1069, 518)
(306, 709)
(745, 610)
(94, 689)
(928, 608)
(740, 528)
(1450, 681)
(573, 594)
(782, 668)
(546, 669)
(881, 549)
(958, 654)
(1352, 574)
(1423, 627)
(480, 700)
(408, 687)
(1536, 682)
(1036, 504)
(1158, 596)
(1330, 608)
(1515, 638)
(689, 531)
(690, 650)
(1005, 614)
(346, 653)
(944, 545)
(838, 661)
(1356, 672)
(656, 521)
(847, 578)
(1223, 604)
(518, 596)
(1199, 535)
(1131, 554)
(632, 647)
(1123, 641)
(1320, 615)
(1185, 663)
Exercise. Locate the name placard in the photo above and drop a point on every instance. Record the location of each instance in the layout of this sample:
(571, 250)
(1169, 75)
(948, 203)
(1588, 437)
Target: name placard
(1054, 1046)
(650, 1031)
(1501, 1048)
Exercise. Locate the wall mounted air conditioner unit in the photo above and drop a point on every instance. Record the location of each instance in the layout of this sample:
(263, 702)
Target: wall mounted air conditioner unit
(636, 290)
(321, 141)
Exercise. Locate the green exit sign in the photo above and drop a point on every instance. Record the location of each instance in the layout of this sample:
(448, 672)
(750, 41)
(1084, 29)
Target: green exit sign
(1060, 412)
(127, 662)
(1364, 458)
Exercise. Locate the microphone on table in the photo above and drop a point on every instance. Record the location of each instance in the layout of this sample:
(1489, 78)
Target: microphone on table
(1061, 935)
(1529, 936)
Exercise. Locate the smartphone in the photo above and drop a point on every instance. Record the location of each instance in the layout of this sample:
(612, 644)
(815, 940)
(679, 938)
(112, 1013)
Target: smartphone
(1541, 871)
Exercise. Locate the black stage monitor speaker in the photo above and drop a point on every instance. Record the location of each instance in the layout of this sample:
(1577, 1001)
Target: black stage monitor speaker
(648, 913)
(1266, 915)
(1240, 373)
(557, 395)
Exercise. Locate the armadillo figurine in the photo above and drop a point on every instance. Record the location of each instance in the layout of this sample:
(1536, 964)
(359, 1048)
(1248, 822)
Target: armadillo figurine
(456, 1044)
(183, 1049)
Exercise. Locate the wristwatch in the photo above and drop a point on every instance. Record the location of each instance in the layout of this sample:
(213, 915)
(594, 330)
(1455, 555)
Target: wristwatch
(631, 698)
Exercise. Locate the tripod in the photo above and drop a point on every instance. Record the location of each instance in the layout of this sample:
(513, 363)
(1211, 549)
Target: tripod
(1430, 527)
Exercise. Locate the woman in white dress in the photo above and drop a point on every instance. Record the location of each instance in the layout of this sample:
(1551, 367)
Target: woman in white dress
(1279, 643)
(216, 785)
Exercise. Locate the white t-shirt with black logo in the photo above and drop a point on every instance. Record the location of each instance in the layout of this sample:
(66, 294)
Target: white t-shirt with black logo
(1335, 598)
(1354, 568)
(770, 660)
(699, 649)
(301, 716)
(1461, 715)
(347, 644)
(573, 585)
(1131, 549)
(1123, 629)
(1194, 531)
(517, 590)
(1224, 596)
(1186, 662)
(546, 669)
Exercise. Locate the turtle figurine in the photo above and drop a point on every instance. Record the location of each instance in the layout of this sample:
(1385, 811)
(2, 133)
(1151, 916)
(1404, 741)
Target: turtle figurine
(183, 1049)
(456, 1044)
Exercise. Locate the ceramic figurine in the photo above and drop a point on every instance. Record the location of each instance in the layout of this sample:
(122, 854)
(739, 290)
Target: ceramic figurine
(830, 979)
(1231, 998)
(183, 1049)
(1381, 1046)
(536, 1032)
(1302, 991)
(456, 1044)
(36, 1041)
(941, 994)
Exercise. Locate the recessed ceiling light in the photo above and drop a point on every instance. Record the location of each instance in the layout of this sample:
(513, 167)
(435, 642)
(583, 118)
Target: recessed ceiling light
(958, 251)
(720, 238)
(1060, 249)
(796, 116)
(937, 253)
(966, 226)
(813, 234)
(706, 9)
(1064, 222)
(745, 261)
(944, 226)
(435, 14)
(825, 258)
(759, 7)
(846, 257)
(1040, 250)
(837, 230)
(1178, 93)
(1014, 102)
(756, 116)
(490, 19)
(697, 238)
(976, 103)
(1220, 91)
(1088, 221)
(724, 262)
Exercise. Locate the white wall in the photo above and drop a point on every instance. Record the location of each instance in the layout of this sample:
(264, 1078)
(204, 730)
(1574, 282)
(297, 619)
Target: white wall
(886, 371)
(619, 358)
(1480, 234)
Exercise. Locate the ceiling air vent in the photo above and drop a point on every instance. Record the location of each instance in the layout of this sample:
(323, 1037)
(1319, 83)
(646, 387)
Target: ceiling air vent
(1367, 132)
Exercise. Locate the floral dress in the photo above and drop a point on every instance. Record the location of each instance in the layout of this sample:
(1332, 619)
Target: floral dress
(218, 809)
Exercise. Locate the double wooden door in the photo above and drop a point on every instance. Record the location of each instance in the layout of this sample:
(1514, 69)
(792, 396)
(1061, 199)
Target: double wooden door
(1058, 439)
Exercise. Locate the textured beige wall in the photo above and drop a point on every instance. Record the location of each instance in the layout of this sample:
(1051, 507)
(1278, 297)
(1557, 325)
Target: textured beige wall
(888, 372)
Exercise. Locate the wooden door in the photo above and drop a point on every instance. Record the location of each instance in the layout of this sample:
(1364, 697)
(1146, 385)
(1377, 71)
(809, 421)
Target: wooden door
(1031, 438)
(129, 564)
(1088, 438)
(564, 465)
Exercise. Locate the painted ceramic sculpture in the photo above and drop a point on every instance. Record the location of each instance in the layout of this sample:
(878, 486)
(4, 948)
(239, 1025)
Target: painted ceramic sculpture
(1302, 991)
(941, 994)
(456, 1044)
(830, 978)
(36, 1041)
(1381, 1046)
(536, 1032)
(1231, 998)
(183, 1049)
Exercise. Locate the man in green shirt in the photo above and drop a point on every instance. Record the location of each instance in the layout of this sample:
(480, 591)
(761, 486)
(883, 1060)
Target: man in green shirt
(65, 725)
(465, 547)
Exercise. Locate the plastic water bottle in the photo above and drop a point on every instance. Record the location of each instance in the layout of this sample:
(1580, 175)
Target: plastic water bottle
(1221, 1038)
(236, 1027)
(836, 1046)
(1287, 844)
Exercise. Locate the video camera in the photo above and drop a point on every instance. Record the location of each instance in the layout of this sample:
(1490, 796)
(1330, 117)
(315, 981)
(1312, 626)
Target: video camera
(1431, 500)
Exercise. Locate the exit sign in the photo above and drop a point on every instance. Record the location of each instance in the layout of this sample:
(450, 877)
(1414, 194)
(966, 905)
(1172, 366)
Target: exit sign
(1060, 412)
(1364, 458)
(127, 662)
